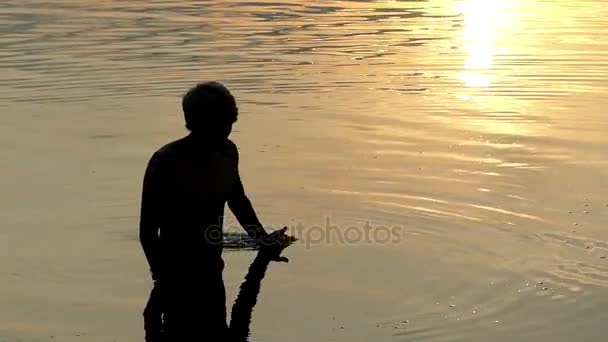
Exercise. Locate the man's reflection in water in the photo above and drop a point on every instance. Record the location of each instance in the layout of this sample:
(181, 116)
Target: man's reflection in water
(247, 298)
(242, 310)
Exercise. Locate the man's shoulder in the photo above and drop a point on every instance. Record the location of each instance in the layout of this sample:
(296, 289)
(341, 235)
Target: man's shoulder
(170, 148)
(230, 145)
(231, 149)
(168, 151)
(179, 149)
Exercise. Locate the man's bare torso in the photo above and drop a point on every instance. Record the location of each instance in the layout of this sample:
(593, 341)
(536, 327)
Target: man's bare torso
(193, 182)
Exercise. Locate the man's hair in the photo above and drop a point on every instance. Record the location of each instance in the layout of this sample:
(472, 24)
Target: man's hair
(208, 104)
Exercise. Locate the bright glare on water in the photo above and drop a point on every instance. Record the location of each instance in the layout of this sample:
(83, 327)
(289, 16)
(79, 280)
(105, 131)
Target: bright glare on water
(475, 131)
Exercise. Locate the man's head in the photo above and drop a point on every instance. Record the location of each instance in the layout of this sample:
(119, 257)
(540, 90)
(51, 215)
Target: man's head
(210, 110)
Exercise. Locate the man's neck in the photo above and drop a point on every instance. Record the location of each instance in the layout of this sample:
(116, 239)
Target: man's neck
(203, 142)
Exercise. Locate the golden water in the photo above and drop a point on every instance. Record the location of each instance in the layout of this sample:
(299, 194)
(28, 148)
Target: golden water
(477, 128)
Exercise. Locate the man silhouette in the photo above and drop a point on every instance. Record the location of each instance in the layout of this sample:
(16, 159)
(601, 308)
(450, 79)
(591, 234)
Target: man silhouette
(186, 186)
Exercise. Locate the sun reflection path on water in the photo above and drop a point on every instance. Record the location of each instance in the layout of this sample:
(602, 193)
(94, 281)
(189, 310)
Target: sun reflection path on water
(491, 29)
(484, 26)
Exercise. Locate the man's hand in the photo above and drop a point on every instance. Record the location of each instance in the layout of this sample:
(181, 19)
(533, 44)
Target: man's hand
(155, 275)
(273, 245)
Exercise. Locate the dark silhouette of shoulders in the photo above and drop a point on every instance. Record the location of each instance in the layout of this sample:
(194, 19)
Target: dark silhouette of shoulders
(186, 147)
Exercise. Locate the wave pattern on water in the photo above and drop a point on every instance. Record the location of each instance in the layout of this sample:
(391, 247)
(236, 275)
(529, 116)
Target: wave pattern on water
(476, 126)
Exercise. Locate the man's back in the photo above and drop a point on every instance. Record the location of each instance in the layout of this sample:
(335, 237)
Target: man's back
(191, 183)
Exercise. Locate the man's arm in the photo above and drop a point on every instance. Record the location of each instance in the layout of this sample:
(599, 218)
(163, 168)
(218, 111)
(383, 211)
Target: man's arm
(150, 209)
(242, 209)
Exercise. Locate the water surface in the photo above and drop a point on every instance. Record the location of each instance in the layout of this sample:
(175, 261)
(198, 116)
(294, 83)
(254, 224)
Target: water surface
(476, 127)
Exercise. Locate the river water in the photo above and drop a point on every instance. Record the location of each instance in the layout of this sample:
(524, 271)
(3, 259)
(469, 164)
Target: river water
(443, 162)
